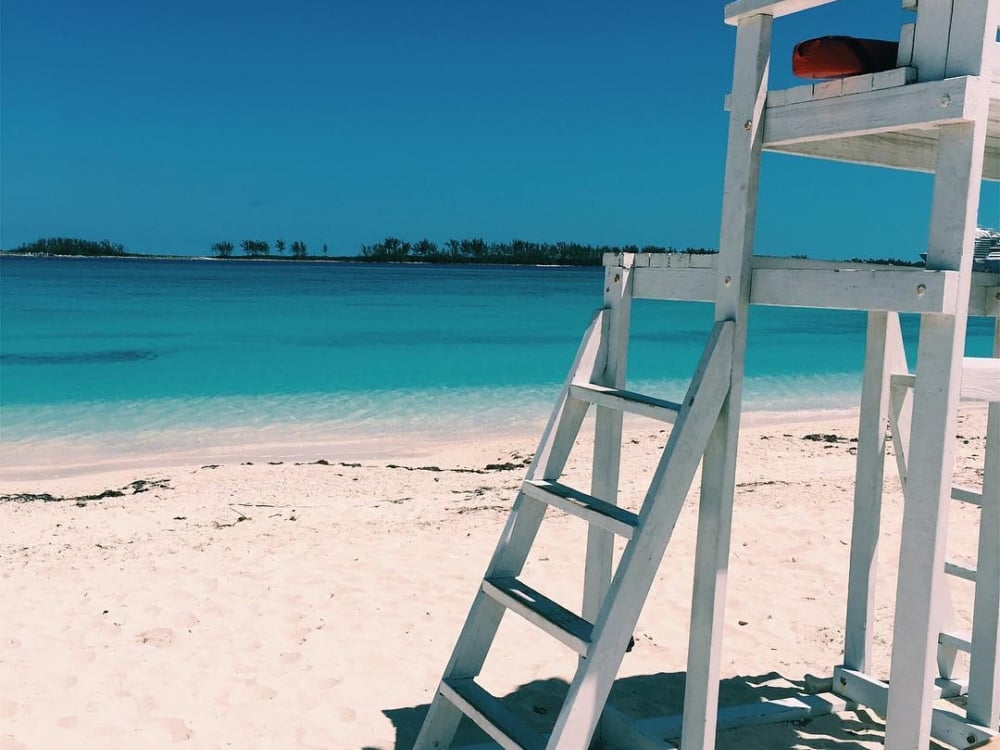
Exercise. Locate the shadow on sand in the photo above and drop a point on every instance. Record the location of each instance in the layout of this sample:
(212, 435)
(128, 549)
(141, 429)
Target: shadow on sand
(648, 696)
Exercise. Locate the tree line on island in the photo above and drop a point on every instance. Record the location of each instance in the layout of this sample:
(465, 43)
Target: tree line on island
(476, 250)
(394, 250)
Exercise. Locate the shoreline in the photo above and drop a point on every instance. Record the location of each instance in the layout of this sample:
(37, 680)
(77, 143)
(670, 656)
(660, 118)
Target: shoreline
(66, 458)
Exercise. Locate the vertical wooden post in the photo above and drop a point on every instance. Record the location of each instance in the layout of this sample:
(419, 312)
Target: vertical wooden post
(932, 444)
(608, 431)
(884, 355)
(739, 214)
(984, 672)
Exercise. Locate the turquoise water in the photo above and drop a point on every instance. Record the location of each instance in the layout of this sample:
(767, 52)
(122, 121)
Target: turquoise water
(132, 355)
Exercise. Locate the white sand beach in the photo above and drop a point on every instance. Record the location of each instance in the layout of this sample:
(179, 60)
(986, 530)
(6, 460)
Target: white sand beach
(314, 603)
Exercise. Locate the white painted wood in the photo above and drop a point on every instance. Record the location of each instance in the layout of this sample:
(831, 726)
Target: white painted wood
(732, 303)
(745, 9)
(930, 38)
(981, 379)
(946, 726)
(491, 715)
(695, 284)
(928, 487)
(959, 641)
(627, 401)
(882, 111)
(596, 512)
(639, 563)
(960, 571)
(796, 282)
(966, 495)
(883, 355)
(983, 706)
(544, 613)
(795, 708)
(904, 57)
(856, 289)
(840, 86)
(607, 435)
(985, 299)
(900, 418)
(620, 732)
(972, 38)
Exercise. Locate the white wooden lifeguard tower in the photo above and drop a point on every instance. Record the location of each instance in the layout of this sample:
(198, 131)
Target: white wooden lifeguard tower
(938, 111)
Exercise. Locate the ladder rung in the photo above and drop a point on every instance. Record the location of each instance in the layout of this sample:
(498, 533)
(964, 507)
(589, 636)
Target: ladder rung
(628, 401)
(538, 609)
(966, 495)
(492, 716)
(600, 513)
(960, 571)
(961, 641)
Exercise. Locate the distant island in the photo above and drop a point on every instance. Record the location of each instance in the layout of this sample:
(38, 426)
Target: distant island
(71, 246)
(394, 250)
(389, 250)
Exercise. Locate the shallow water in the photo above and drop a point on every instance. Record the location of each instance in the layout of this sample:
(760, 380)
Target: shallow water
(123, 357)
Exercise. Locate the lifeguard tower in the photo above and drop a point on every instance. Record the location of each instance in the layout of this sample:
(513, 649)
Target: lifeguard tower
(938, 111)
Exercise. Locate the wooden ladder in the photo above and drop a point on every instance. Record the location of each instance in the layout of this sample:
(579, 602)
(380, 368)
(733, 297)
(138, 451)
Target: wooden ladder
(611, 605)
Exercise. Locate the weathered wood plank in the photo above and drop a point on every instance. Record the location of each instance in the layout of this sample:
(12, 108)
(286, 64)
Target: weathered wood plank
(856, 289)
(981, 379)
(858, 84)
(492, 716)
(944, 725)
(795, 708)
(565, 626)
(918, 105)
(627, 401)
(959, 641)
(602, 514)
(747, 124)
(884, 355)
(607, 433)
(983, 705)
(743, 9)
(930, 38)
(960, 571)
(972, 38)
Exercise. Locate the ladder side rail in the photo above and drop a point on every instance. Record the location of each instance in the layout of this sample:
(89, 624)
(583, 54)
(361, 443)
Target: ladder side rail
(639, 564)
(562, 427)
(608, 433)
(485, 614)
(984, 670)
(884, 355)
(935, 403)
(732, 295)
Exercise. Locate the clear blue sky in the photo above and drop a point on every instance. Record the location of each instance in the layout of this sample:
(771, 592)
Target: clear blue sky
(168, 126)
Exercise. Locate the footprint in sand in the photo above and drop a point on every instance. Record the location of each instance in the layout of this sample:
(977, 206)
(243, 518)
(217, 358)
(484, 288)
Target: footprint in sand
(7, 709)
(157, 637)
(179, 731)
